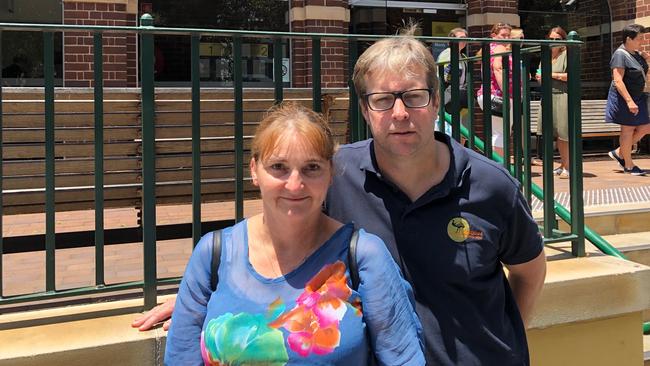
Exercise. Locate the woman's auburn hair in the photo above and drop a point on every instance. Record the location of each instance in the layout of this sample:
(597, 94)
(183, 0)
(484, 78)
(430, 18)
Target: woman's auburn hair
(286, 120)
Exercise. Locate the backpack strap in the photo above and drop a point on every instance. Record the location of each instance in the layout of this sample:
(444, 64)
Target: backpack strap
(352, 260)
(216, 259)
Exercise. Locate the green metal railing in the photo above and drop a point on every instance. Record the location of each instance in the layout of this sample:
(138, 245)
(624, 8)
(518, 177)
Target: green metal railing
(520, 167)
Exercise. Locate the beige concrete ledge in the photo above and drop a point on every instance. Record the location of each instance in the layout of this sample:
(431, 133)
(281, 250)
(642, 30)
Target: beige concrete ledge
(586, 303)
(582, 289)
(315, 12)
(80, 335)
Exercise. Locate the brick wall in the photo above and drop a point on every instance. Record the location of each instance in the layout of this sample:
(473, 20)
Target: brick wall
(120, 59)
(334, 60)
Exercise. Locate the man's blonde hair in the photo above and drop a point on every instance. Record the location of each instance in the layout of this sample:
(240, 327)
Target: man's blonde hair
(403, 55)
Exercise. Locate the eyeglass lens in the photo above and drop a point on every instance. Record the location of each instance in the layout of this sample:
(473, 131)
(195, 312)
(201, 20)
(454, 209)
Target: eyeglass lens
(416, 98)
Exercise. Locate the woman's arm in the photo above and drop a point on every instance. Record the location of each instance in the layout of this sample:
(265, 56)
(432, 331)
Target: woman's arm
(183, 340)
(388, 305)
(562, 76)
(617, 77)
(497, 66)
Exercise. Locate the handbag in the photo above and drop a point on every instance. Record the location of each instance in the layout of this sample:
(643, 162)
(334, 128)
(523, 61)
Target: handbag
(496, 106)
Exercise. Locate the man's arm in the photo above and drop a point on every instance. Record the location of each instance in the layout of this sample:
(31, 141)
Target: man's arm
(162, 312)
(526, 281)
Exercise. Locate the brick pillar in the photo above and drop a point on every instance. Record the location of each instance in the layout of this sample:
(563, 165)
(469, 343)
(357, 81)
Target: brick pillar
(320, 16)
(120, 59)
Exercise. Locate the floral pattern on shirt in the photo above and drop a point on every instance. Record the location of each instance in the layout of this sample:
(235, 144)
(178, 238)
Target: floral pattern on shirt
(313, 325)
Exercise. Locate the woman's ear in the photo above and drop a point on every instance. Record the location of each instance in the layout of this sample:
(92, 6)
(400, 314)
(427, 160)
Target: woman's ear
(253, 167)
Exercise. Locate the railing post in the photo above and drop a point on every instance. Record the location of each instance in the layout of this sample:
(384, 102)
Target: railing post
(277, 70)
(50, 226)
(487, 100)
(455, 92)
(469, 67)
(354, 115)
(1, 180)
(99, 158)
(575, 147)
(196, 138)
(527, 181)
(148, 164)
(315, 74)
(516, 109)
(505, 83)
(239, 128)
(441, 94)
(547, 135)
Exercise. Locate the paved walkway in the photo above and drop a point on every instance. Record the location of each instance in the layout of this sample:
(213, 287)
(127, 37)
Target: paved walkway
(24, 272)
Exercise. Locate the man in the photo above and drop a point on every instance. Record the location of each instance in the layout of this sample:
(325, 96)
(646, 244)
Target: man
(449, 216)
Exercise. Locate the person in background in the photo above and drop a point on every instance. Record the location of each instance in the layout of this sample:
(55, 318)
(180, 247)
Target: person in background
(627, 104)
(445, 57)
(560, 101)
(499, 31)
(516, 33)
(283, 292)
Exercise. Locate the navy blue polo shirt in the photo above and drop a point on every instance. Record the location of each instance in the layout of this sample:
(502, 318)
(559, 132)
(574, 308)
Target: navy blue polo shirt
(450, 244)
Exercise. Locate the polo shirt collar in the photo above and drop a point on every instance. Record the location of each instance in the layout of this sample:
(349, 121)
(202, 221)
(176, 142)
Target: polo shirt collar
(459, 164)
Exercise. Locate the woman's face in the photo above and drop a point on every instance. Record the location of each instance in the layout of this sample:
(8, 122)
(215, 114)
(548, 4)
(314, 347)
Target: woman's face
(555, 37)
(635, 43)
(293, 180)
(503, 33)
(461, 45)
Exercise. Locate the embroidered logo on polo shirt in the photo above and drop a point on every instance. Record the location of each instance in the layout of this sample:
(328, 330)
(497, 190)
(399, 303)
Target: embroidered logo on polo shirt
(459, 230)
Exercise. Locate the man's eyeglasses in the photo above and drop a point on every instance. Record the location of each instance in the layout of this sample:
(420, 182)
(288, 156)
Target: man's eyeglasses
(415, 98)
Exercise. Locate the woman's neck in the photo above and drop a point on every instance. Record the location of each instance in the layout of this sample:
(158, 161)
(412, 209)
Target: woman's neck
(628, 48)
(277, 245)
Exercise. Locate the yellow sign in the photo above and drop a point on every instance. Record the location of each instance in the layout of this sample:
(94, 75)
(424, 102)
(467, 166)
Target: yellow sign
(458, 229)
(441, 29)
(213, 49)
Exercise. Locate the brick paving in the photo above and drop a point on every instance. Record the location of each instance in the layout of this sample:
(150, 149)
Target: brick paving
(24, 272)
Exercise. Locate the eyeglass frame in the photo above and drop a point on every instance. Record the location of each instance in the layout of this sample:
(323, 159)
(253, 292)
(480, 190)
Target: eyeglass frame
(398, 95)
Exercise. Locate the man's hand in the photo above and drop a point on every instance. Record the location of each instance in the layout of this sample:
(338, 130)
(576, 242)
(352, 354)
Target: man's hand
(162, 312)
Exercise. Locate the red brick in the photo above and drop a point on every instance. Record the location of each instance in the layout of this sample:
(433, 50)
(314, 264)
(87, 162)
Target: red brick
(77, 49)
(75, 14)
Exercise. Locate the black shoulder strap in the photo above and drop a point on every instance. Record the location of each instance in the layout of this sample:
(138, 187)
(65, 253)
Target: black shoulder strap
(352, 260)
(216, 259)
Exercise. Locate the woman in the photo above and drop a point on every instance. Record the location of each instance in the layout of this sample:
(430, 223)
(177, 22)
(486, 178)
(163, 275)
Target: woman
(283, 295)
(560, 101)
(445, 57)
(626, 101)
(499, 31)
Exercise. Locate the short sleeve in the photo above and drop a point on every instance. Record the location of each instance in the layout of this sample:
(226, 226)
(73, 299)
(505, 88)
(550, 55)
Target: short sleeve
(521, 241)
(183, 340)
(618, 60)
(388, 305)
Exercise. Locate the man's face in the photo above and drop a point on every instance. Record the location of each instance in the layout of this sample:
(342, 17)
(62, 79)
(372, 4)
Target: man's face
(400, 131)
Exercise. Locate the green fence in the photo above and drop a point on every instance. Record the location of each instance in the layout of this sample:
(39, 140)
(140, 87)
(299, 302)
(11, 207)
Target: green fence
(519, 164)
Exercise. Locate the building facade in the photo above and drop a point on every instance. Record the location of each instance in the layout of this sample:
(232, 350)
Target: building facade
(599, 23)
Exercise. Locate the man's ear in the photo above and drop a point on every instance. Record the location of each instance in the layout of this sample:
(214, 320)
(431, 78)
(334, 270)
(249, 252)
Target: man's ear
(364, 111)
(253, 167)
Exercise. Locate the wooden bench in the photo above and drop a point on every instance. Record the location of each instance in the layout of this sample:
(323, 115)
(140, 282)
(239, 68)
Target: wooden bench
(593, 119)
(24, 145)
